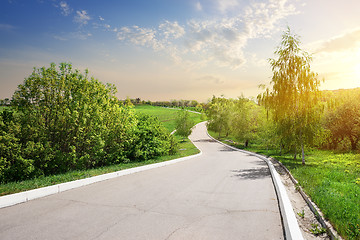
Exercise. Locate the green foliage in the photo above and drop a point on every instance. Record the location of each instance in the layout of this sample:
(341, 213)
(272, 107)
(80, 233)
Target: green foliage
(316, 230)
(294, 95)
(330, 180)
(341, 120)
(151, 139)
(167, 116)
(301, 214)
(184, 124)
(219, 114)
(240, 117)
(65, 121)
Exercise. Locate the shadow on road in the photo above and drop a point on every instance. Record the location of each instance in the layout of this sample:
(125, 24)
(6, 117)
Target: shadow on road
(252, 173)
(205, 140)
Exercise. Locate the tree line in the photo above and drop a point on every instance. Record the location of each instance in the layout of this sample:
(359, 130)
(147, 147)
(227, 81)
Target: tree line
(61, 119)
(188, 104)
(292, 114)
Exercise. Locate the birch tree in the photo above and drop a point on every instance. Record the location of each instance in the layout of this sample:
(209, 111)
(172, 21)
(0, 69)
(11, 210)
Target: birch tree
(294, 94)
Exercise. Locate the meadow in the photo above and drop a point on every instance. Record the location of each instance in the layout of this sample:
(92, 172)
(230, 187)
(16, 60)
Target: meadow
(166, 115)
(331, 179)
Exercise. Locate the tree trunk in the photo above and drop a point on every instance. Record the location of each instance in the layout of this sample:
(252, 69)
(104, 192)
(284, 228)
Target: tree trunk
(353, 144)
(302, 153)
(280, 149)
(295, 152)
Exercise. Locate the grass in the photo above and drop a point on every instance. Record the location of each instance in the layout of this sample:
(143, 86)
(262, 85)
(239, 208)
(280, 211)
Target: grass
(331, 179)
(167, 116)
(15, 187)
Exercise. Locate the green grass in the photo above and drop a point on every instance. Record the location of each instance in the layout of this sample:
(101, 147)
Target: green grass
(331, 179)
(167, 116)
(187, 149)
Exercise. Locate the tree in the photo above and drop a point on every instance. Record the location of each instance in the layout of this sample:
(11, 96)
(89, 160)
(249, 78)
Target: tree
(344, 123)
(219, 114)
(184, 124)
(294, 94)
(245, 119)
(70, 121)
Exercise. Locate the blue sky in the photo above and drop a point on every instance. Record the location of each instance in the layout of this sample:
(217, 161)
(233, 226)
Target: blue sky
(177, 49)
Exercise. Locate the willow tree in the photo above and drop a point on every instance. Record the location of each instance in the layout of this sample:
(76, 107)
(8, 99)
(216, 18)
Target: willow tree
(294, 94)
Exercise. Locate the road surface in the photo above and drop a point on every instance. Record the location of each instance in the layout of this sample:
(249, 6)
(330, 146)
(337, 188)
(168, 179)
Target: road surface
(221, 194)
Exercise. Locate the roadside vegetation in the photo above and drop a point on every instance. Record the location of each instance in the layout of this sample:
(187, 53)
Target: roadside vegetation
(167, 116)
(63, 125)
(293, 119)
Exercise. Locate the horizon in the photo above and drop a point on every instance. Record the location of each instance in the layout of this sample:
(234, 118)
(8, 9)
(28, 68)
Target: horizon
(191, 50)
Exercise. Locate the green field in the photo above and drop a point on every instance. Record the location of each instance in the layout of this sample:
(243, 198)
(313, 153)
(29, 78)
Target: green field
(166, 115)
(331, 179)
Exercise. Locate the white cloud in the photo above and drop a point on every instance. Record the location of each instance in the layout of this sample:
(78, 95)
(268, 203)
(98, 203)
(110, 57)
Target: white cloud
(225, 5)
(80, 35)
(221, 40)
(65, 8)
(140, 36)
(198, 6)
(82, 17)
(101, 18)
(171, 29)
(343, 42)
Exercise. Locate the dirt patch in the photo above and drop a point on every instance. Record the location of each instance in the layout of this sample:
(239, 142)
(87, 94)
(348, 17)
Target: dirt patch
(304, 215)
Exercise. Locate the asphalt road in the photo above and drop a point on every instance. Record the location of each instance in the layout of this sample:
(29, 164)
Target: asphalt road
(222, 194)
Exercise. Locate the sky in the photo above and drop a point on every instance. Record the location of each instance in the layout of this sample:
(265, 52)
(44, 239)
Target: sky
(177, 49)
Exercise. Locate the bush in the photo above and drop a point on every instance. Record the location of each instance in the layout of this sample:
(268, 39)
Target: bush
(66, 121)
(151, 139)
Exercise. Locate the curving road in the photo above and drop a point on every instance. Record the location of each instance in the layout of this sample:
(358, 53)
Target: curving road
(221, 194)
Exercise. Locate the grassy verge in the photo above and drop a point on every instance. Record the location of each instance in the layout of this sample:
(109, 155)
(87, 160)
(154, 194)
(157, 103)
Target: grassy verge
(167, 116)
(187, 149)
(331, 179)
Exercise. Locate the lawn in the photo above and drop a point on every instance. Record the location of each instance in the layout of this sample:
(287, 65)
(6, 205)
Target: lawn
(165, 115)
(331, 179)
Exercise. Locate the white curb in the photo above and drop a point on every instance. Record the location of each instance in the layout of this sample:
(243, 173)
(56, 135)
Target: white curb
(290, 223)
(12, 199)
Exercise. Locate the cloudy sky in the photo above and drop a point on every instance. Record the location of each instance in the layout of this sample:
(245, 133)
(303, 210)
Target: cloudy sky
(177, 49)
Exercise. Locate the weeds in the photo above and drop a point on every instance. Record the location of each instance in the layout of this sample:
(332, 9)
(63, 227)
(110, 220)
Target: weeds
(316, 230)
(301, 214)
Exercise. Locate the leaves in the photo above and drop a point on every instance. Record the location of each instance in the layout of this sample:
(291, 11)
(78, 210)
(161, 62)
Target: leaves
(294, 95)
(66, 120)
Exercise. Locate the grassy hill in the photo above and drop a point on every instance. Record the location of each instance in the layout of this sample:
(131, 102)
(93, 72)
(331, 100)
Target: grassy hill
(166, 115)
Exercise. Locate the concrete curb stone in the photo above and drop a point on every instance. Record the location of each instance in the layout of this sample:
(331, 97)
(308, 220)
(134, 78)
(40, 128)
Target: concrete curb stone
(291, 226)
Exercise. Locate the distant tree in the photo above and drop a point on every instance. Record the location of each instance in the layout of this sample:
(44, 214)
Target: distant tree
(344, 123)
(194, 103)
(247, 120)
(220, 114)
(294, 94)
(184, 124)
